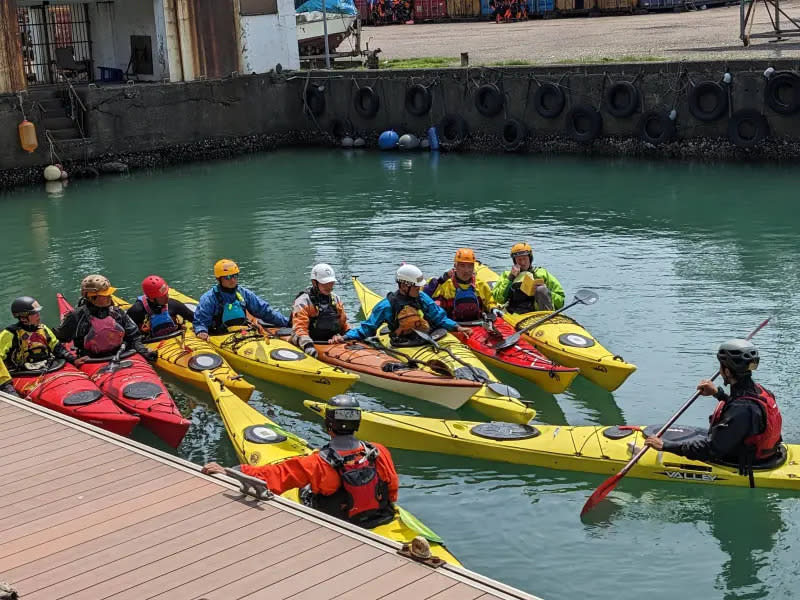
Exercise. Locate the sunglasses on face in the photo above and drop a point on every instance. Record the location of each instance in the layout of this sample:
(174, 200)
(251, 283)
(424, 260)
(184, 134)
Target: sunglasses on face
(229, 277)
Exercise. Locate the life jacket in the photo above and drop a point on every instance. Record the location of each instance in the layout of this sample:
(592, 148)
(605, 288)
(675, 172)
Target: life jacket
(326, 324)
(765, 443)
(519, 301)
(28, 346)
(230, 313)
(157, 324)
(363, 497)
(466, 304)
(407, 316)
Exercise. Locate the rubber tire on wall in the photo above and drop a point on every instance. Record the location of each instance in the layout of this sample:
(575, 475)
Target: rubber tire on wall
(315, 100)
(514, 135)
(772, 94)
(549, 100)
(631, 94)
(579, 116)
(703, 89)
(418, 100)
(489, 99)
(757, 123)
(452, 131)
(656, 118)
(366, 102)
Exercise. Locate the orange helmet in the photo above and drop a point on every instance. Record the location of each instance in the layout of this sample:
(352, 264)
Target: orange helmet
(521, 249)
(465, 255)
(224, 267)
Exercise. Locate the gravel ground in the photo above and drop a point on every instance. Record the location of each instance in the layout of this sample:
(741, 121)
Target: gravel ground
(698, 35)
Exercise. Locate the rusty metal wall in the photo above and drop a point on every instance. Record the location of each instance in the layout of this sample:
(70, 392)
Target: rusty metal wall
(12, 75)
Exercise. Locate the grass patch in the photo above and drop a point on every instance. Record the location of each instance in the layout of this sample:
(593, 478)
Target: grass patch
(427, 62)
(628, 58)
(514, 62)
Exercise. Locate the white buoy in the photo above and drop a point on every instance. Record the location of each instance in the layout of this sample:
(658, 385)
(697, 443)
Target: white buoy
(727, 78)
(52, 173)
(673, 114)
(768, 73)
(359, 142)
(347, 142)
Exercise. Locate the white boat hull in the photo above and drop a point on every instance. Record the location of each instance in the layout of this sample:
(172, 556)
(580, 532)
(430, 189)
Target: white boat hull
(311, 30)
(453, 397)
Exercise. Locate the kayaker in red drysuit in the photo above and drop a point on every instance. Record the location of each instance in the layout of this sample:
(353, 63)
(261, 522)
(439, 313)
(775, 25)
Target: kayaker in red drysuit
(348, 479)
(746, 425)
(96, 327)
(27, 342)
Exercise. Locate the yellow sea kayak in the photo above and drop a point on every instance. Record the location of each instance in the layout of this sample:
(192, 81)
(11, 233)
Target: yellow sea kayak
(492, 399)
(590, 449)
(563, 340)
(185, 357)
(275, 360)
(245, 425)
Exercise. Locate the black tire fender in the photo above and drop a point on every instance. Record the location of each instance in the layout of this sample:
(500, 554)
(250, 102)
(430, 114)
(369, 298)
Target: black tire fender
(782, 93)
(747, 128)
(366, 102)
(655, 127)
(549, 100)
(514, 134)
(708, 101)
(489, 100)
(452, 131)
(418, 100)
(584, 123)
(621, 99)
(315, 100)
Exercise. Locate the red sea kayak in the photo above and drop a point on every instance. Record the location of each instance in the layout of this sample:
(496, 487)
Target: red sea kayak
(65, 389)
(522, 359)
(136, 388)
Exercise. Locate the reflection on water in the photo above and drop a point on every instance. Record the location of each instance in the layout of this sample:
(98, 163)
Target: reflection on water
(682, 256)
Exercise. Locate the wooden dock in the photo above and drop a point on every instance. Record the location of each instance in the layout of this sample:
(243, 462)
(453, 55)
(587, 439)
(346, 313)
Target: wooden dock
(88, 515)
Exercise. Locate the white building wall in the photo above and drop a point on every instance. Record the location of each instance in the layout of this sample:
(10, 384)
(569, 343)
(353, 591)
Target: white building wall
(270, 39)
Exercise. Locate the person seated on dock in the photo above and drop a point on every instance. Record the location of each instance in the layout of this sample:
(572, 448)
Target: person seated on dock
(348, 479)
(318, 314)
(462, 297)
(746, 425)
(404, 310)
(227, 304)
(155, 313)
(28, 344)
(96, 327)
(526, 288)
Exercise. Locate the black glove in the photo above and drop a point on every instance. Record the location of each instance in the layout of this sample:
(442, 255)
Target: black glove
(444, 277)
(150, 356)
(497, 313)
(8, 388)
(310, 350)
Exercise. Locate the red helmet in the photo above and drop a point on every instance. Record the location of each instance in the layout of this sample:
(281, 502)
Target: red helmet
(154, 286)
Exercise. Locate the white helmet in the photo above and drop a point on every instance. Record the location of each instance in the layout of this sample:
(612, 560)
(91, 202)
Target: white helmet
(323, 273)
(410, 274)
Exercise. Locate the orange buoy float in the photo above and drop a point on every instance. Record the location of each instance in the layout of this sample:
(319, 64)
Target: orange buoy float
(27, 136)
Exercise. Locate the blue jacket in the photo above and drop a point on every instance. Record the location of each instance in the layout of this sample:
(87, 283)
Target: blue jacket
(208, 307)
(382, 313)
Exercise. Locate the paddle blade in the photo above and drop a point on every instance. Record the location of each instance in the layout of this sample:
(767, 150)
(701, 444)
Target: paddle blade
(601, 492)
(585, 296)
(509, 341)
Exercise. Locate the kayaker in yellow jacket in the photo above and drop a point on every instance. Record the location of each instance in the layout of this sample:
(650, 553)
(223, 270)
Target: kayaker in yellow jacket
(462, 297)
(526, 288)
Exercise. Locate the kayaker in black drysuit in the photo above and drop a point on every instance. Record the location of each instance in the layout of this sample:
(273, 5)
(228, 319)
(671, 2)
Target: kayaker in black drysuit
(96, 327)
(155, 313)
(746, 425)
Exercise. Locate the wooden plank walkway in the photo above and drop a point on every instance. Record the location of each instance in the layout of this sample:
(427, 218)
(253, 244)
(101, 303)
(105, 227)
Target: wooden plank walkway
(88, 515)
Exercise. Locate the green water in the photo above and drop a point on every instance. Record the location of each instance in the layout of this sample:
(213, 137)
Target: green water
(683, 257)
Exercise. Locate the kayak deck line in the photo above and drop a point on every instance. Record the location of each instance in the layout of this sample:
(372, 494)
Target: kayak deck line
(158, 528)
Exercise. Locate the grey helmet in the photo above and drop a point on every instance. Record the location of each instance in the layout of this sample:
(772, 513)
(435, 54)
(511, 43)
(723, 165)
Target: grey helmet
(740, 356)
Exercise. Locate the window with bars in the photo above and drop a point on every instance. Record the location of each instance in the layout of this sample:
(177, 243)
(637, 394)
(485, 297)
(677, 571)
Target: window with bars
(56, 42)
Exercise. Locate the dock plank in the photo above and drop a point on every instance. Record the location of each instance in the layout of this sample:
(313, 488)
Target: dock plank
(337, 585)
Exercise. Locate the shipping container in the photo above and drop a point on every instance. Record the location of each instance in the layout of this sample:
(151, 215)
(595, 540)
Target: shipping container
(660, 4)
(363, 10)
(463, 9)
(620, 6)
(574, 6)
(540, 7)
(430, 10)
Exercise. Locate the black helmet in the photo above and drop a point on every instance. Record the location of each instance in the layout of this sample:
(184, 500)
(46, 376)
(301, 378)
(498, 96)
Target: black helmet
(25, 306)
(740, 356)
(342, 414)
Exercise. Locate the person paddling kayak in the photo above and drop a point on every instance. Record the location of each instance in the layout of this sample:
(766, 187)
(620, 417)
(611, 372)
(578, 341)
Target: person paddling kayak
(27, 343)
(227, 304)
(459, 294)
(526, 288)
(318, 314)
(745, 426)
(96, 327)
(404, 310)
(347, 478)
(155, 313)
